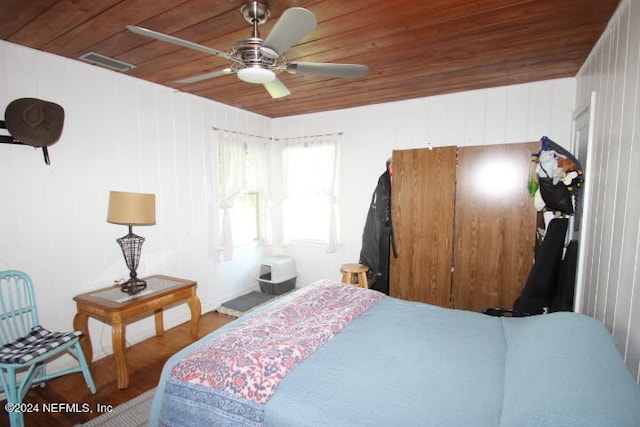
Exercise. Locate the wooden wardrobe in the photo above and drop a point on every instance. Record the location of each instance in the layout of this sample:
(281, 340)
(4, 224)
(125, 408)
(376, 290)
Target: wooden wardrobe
(464, 225)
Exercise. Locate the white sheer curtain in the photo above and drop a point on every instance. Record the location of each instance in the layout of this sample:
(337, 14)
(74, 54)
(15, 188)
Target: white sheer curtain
(230, 160)
(231, 152)
(309, 166)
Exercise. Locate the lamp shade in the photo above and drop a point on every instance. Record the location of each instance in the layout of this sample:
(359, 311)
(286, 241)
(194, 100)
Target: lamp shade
(131, 208)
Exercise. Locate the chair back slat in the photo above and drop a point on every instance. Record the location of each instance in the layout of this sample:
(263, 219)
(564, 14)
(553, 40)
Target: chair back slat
(18, 313)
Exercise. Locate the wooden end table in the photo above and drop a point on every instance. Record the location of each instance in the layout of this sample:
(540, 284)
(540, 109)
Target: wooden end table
(116, 308)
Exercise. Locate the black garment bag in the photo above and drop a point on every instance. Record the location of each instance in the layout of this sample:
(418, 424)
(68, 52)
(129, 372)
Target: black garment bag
(377, 238)
(541, 290)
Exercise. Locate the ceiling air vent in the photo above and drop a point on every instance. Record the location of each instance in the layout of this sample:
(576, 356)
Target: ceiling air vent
(105, 61)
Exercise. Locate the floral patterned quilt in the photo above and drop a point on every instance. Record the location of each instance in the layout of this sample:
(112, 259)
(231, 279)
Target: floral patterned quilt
(234, 374)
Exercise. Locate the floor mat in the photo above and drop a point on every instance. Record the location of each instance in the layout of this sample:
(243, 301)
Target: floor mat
(245, 303)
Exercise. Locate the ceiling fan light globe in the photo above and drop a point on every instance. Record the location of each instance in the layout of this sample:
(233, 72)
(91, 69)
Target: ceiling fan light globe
(256, 75)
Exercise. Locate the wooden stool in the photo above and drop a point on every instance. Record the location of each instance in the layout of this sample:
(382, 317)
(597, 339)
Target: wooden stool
(355, 274)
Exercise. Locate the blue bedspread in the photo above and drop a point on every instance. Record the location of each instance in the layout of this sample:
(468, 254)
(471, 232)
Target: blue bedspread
(411, 364)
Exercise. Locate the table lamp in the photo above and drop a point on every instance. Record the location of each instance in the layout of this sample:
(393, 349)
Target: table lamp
(132, 209)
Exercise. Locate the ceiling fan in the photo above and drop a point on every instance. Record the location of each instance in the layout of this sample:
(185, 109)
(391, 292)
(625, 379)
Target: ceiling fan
(259, 61)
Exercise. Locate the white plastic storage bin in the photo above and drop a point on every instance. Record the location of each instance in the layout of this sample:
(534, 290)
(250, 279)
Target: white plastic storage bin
(277, 275)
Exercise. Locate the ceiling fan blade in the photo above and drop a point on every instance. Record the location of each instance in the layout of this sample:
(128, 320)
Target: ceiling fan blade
(276, 88)
(350, 71)
(205, 76)
(294, 24)
(175, 40)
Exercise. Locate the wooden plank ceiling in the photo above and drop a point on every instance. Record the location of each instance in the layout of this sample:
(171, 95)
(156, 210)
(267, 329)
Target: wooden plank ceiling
(412, 48)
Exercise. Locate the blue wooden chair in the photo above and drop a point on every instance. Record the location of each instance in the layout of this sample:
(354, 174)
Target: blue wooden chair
(25, 346)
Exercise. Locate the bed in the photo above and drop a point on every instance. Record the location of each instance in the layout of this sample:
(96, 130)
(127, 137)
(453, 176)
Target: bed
(337, 355)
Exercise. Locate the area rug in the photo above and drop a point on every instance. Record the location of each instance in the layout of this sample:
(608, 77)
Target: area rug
(244, 304)
(134, 413)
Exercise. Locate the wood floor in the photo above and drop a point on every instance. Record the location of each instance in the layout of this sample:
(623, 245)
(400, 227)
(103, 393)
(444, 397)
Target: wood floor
(145, 362)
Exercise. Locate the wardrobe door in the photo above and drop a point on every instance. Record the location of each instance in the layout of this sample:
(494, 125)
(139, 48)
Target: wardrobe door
(422, 210)
(494, 225)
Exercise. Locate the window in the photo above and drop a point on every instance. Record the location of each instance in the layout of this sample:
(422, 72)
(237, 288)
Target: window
(309, 180)
(306, 217)
(245, 226)
(241, 191)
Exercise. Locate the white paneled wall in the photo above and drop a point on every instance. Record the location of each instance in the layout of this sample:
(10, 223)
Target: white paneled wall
(493, 116)
(120, 133)
(612, 244)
